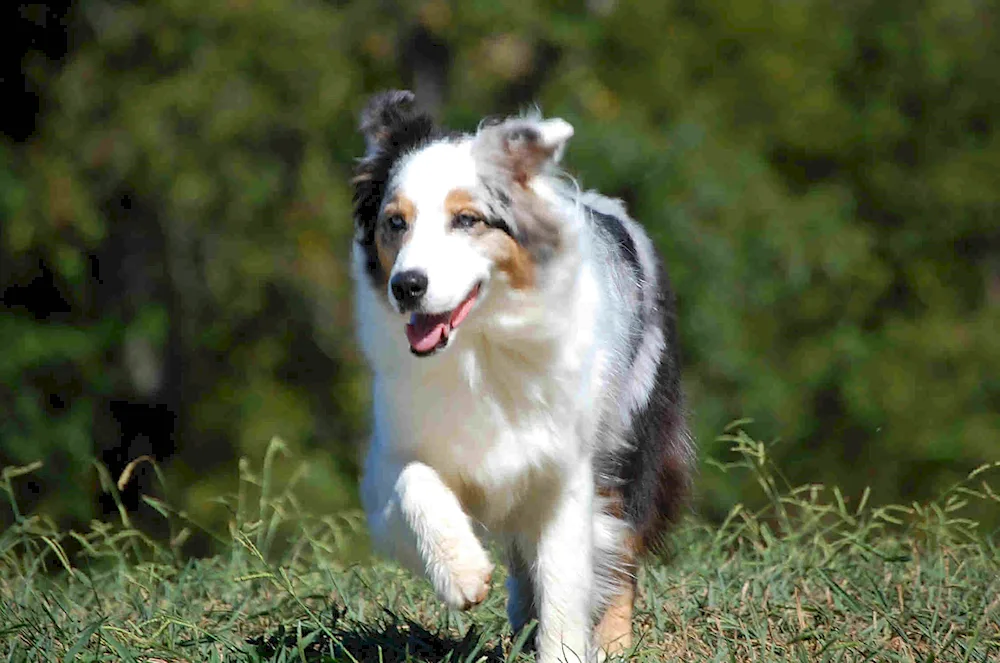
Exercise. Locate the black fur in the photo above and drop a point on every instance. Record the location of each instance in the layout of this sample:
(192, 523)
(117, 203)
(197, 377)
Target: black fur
(501, 225)
(616, 230)
(655, 473)
(392, 128)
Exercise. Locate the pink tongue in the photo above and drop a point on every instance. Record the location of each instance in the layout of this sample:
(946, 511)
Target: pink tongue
(425, 331)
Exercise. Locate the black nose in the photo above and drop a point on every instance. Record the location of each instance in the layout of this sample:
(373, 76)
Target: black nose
(408, 287)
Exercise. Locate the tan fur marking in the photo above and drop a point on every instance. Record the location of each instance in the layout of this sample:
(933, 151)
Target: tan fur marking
(510, 257)
(615, 505)
(515, 261)
(460, 200)
(388, 250)
(386, 257)
(614, 632)
(403, 206)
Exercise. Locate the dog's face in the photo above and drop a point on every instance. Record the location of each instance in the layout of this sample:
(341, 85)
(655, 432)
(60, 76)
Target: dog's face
(442, 220)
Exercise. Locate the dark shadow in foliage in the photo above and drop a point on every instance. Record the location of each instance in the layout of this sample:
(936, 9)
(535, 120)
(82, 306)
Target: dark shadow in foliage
(400, 639)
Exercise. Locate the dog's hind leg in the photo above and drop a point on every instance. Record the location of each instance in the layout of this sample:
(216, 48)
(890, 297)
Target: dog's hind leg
(417, 519)
(615, 567)
(613, 633)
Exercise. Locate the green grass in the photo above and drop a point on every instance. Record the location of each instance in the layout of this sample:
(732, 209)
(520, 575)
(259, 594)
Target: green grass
(811, 577)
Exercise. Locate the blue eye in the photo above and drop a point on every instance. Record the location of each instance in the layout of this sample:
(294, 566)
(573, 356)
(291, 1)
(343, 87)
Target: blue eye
(465, 220)
(396, 223)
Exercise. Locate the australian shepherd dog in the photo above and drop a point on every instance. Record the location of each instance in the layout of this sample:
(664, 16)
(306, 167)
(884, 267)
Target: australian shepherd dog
(526, 380)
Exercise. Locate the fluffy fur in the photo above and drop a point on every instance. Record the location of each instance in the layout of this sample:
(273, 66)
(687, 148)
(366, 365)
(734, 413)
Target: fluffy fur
(526, 380)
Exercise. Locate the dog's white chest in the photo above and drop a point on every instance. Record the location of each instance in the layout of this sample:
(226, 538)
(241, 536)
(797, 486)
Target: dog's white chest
(487, 421)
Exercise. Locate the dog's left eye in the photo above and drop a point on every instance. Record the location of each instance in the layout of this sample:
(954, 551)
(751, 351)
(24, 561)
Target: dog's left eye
(465, 220)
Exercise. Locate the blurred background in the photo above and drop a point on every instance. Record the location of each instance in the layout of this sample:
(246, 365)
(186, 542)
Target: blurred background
(822, 177)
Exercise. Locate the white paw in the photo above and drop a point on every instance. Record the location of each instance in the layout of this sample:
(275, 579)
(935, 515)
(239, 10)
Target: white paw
(463, 579)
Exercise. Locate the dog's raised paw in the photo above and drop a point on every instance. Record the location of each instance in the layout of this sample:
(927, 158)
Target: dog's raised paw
(475, 587)
(467, 577)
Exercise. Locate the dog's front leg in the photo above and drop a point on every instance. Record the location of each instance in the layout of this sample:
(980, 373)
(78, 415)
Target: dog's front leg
(564, 574)
(414, 517)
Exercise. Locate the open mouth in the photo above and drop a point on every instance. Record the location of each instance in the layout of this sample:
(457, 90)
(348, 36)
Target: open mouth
(429, 332)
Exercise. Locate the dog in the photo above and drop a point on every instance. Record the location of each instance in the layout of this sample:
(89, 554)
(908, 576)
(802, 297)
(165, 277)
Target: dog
(522, 338)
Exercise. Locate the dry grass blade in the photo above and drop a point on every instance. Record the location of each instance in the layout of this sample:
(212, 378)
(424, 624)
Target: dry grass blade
(805, 579)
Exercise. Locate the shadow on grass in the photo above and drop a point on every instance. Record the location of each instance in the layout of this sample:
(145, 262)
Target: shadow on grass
(393, 639)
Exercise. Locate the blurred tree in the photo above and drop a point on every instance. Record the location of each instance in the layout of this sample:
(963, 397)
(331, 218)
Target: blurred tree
(826, 184)
(188, 188)
(821, 177)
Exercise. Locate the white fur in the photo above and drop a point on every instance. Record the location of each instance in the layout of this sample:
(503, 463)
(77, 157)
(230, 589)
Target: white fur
(506, 414)
(452, 264)
(555, 133)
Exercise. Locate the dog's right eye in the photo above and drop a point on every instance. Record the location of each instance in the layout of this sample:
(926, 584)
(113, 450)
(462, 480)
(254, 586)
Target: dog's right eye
(395, 223)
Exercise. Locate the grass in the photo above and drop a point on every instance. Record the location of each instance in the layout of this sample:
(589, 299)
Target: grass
(811, 577)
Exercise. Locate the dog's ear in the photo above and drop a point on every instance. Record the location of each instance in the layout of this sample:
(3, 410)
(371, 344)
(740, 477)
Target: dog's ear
(533, 144)
(391, 127)
(390, 118)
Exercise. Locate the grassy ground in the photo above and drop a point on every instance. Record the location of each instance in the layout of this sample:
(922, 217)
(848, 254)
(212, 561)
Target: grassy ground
(812, 577)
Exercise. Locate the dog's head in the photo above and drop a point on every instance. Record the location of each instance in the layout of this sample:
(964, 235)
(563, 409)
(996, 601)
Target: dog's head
(440, 219)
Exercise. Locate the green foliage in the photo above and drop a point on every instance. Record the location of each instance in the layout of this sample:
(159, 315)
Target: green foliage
(811, 576)
(195, 129)
(821, 177)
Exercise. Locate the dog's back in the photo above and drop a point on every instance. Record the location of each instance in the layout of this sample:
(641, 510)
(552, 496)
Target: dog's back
(647, 461)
